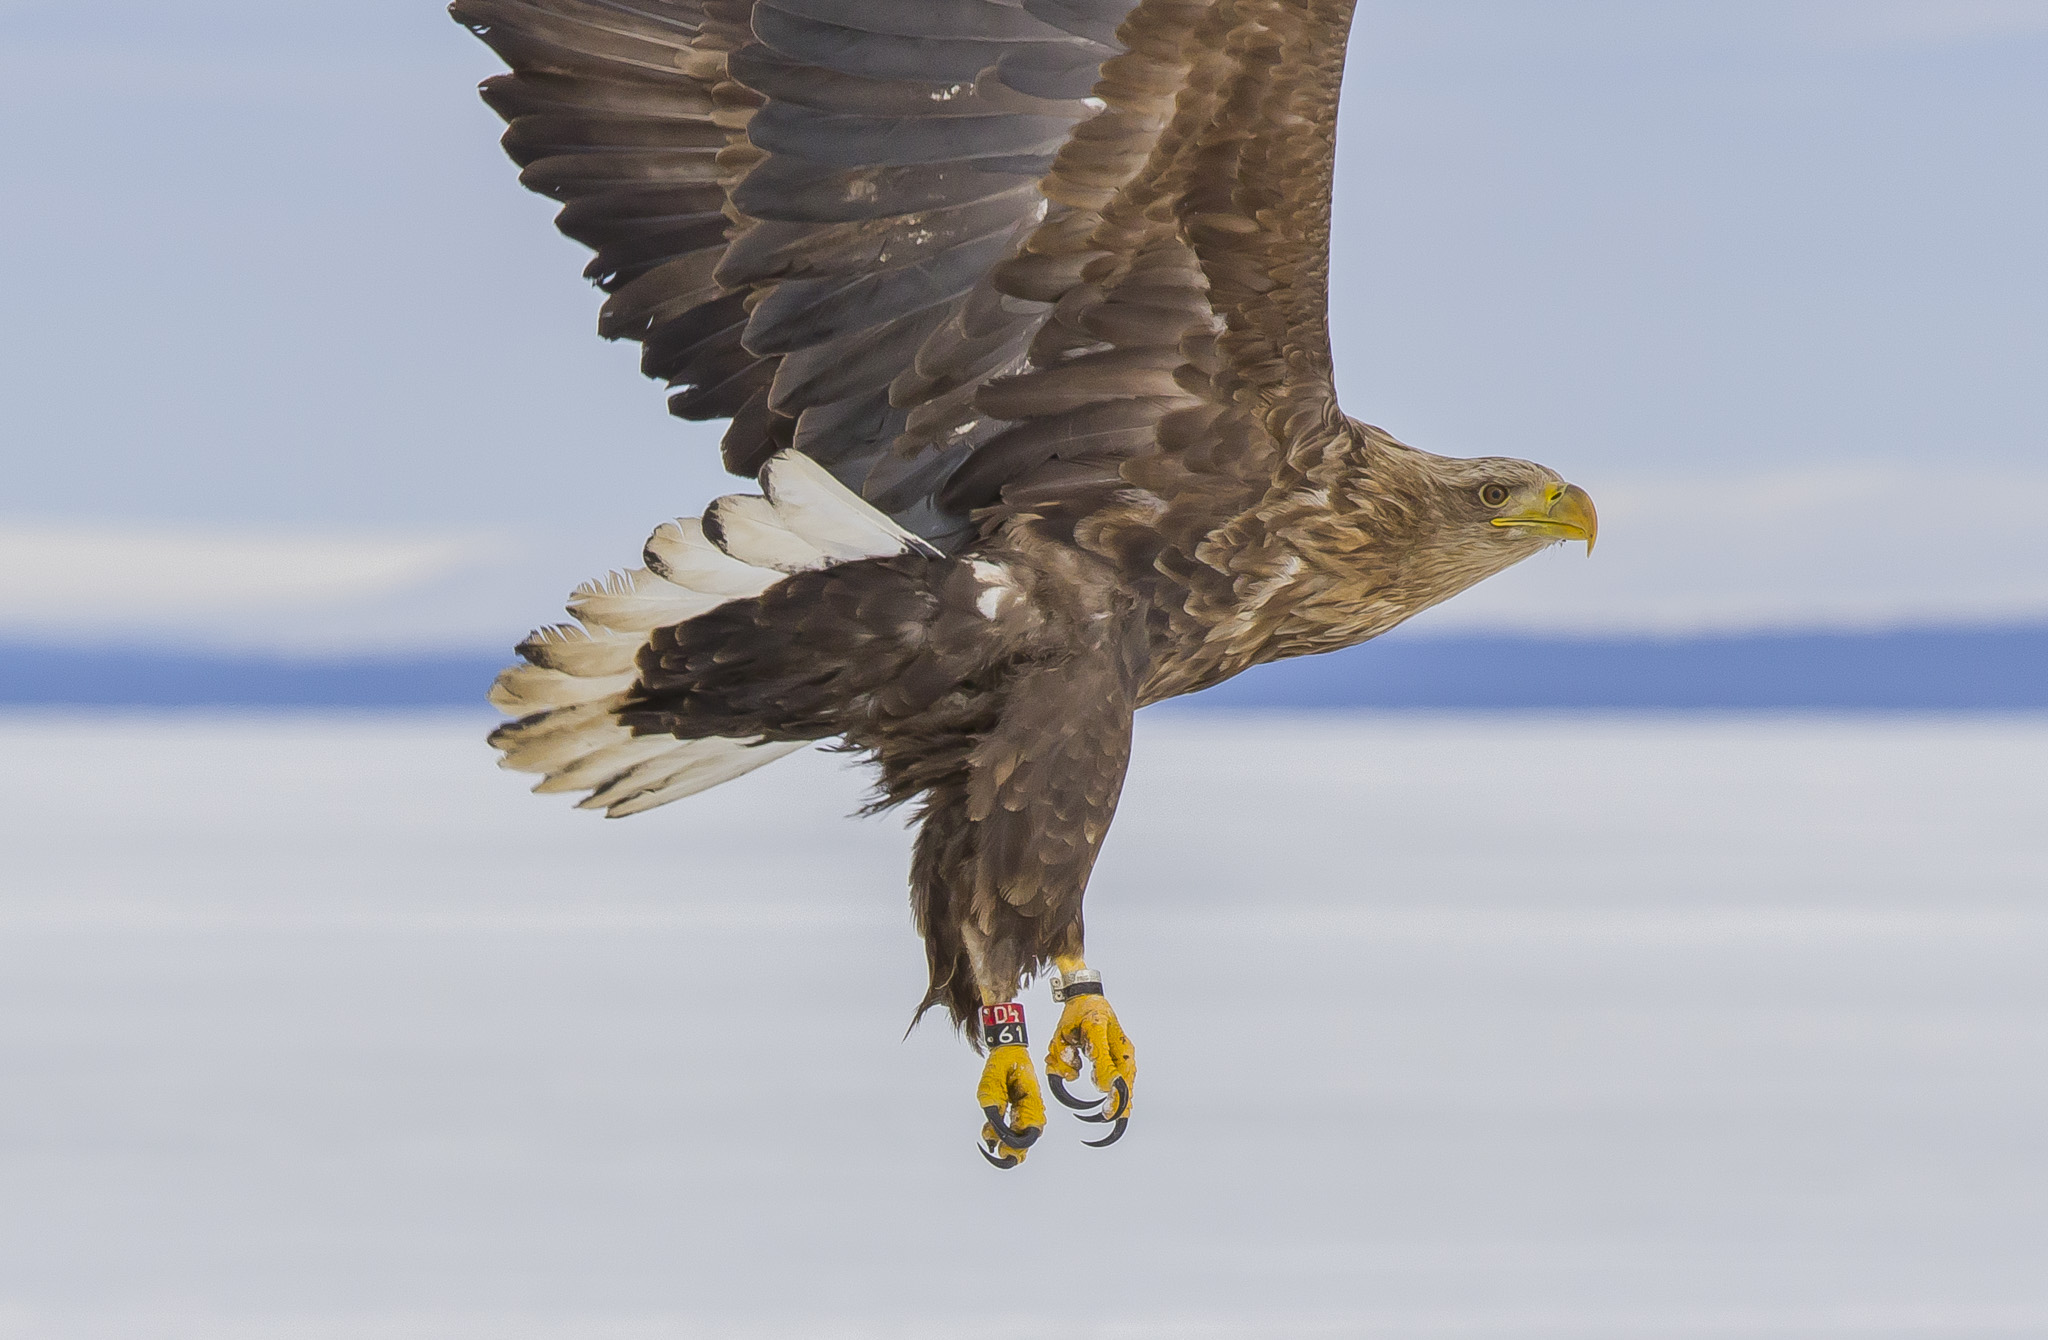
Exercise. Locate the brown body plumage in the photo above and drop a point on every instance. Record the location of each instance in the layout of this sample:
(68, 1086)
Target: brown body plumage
(1044, 284)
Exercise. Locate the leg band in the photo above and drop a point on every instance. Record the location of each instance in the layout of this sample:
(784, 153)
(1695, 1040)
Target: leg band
(1003, 1026)
(1079, 982)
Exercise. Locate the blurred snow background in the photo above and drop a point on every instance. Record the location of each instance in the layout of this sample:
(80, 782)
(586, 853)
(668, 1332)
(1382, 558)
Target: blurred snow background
(1476, 1027)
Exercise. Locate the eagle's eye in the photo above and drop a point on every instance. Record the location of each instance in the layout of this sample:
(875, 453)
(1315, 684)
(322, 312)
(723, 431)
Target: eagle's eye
(1493, 495)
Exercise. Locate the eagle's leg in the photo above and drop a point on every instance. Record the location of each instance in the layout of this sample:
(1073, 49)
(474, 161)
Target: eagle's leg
(1088, 1028)
(1008, 1092)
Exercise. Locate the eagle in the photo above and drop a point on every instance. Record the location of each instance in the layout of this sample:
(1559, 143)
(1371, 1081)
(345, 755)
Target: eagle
(1018, 310)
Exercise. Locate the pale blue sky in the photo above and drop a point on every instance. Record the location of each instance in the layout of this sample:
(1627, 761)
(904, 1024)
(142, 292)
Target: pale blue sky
(267, 276)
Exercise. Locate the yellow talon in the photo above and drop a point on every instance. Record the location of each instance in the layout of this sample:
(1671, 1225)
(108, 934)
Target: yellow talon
(1088, 1027)
(1009, 1098)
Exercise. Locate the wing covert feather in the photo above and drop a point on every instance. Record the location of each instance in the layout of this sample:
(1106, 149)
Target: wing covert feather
(1184, 375)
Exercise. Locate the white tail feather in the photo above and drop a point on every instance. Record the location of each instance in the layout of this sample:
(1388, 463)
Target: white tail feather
(748, 527)
(578, 677)
(680, 552)
(636, 601)
(613, 760)
(551, 752)
(830, 516)
(561, 721)
(711, 762)
(522, 690)
(577, 651)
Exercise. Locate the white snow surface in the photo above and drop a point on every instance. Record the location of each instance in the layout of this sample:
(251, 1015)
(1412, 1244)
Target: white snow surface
(1480, 1027)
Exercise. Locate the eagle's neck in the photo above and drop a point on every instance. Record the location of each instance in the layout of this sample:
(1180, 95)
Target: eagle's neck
(1338, 553)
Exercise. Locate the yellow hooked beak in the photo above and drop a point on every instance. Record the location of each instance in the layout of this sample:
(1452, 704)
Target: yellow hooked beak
(1567, 513)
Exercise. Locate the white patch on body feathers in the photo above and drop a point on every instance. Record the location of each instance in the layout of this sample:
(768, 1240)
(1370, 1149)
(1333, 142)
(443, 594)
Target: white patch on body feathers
(577, 676)
(996, 587)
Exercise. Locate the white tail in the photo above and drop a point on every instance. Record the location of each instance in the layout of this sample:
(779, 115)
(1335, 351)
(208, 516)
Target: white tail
(577, 676)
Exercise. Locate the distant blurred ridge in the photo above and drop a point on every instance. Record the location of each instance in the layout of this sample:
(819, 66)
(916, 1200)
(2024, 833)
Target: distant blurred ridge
(1980, 669)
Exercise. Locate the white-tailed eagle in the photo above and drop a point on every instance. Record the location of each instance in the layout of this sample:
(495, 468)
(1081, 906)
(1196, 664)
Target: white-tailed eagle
(1017, 308)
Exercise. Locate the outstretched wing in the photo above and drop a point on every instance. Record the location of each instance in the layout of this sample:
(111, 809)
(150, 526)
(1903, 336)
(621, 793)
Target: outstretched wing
(977, 257)
(787, 196)
(1201, 279)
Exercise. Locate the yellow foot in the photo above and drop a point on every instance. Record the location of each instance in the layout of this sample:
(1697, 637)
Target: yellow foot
(1008, 1092)
(1088, 1028)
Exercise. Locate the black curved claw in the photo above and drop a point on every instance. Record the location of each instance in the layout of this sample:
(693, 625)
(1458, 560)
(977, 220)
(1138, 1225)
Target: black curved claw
(1014, 1139)
(1059, 1091)
(1006, 1161)
(1116, 1112)
(1122, 1123)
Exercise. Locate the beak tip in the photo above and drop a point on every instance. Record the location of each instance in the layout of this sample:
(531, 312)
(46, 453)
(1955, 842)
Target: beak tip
(1583, 514)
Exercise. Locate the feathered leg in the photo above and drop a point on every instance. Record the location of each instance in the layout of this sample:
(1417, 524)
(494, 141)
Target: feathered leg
(1008, 836)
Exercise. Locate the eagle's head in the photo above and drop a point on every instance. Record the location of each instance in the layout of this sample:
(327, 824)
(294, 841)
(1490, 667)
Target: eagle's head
(1458, 520)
